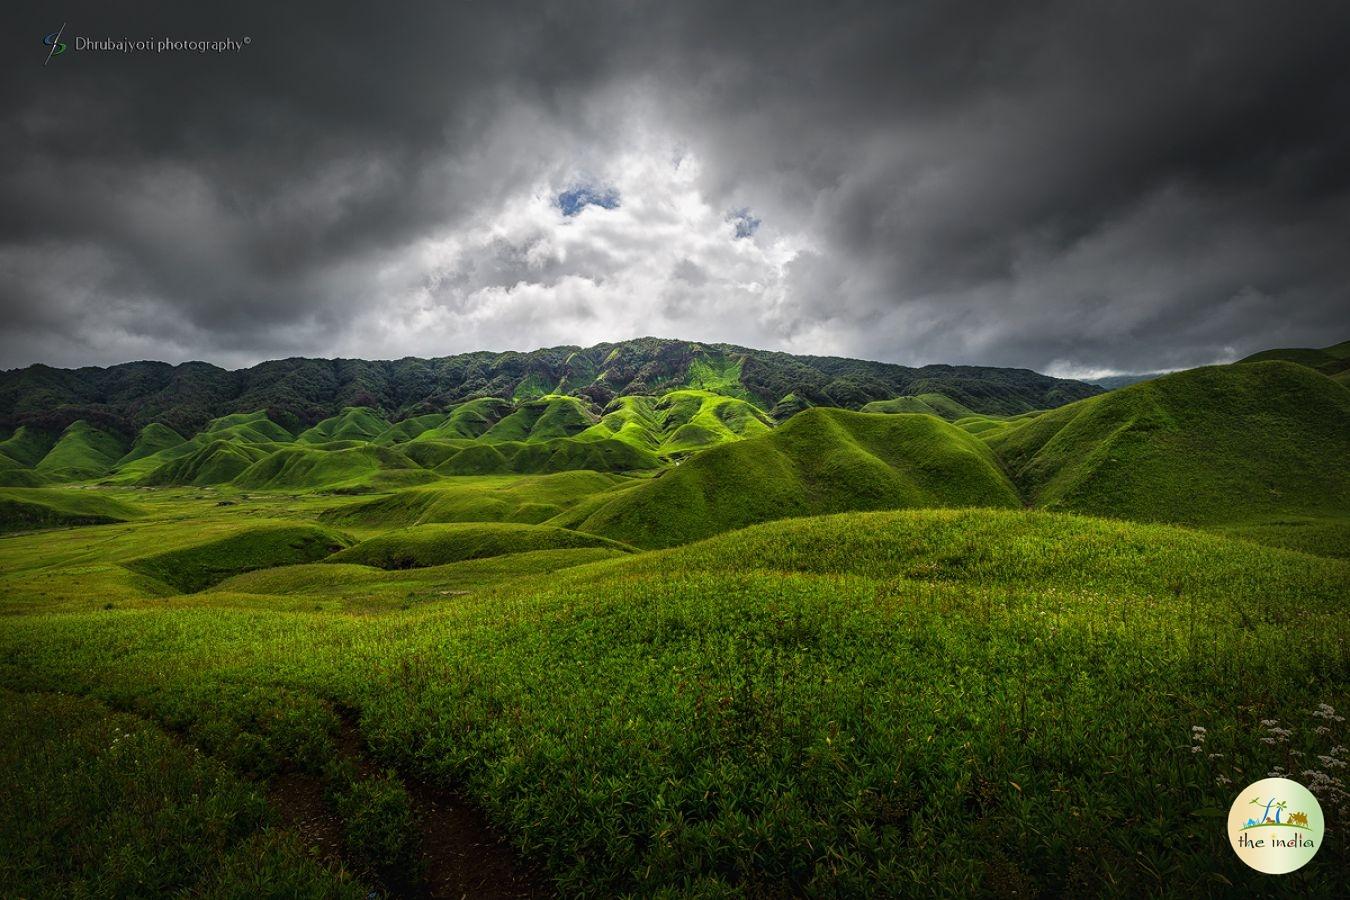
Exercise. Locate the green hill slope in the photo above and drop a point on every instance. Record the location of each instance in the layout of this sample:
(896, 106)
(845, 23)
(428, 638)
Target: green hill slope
(1332, 361)
(153, 438)
(820, 461)
(24, 509)
(530, 500)
(26, 446)
(193, 568)
(250, 428)
(436, 545)
(933, 404)
(1220, 444)
(545, 419)
(307, 468)
(471, 419)
(355, 423)
(564, 454)
(216, 462)
(82, 451)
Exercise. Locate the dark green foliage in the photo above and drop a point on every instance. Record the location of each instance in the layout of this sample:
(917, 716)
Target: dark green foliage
(260, 547)
(559, 455)
(24, 509)
(308, 391)
(436, 545)
(378, 827)
(103, 804)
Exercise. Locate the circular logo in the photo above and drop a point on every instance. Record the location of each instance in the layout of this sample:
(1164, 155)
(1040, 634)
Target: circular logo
(1275, 826)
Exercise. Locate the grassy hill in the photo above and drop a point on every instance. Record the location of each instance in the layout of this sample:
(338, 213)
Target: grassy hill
(543, 419)
(152, 439)
(1221, 444)
(81, 452)
(195, 567)
(305, 392)
(25, 509)
(214, 462)
(528, 500)
(26, 446)
(1332, 361)
(933, 404)
(820, 461)
(305, 468)
(355, 423)
(437, 545)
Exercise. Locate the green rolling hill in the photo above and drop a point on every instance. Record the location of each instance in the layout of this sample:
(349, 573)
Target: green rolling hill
(355, 423)
(1333, 361)
(420, 546)
(1222, 444)
(81, 452)
(152, 439)
(820, 461)
(26, 509)
(933, 404)
(302, 393)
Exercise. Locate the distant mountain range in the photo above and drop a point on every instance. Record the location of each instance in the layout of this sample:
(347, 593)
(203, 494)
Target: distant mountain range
(300, 392)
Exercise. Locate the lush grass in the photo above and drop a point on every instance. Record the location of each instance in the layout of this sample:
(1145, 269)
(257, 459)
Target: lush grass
(81, 452)
(357, 423)
(216, 461)
(201, 565)
(24, 509)
(152, 439)
(820, 461)
(250, 428)
(436, 545)
(471, 419)
(546, 418)
(304, 468)
(1216, 445)
(560, 455)
(931, 701)
(104, 804)
(530, 500)
(1333, 360)
(26, 446)
(933, 404)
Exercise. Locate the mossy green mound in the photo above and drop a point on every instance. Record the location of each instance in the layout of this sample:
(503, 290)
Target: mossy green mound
(355, 423)
(932, 404)
(529, 499)
(564, 454)
(26, 446)
(1216, 445)
(545, 419)
(305, 468)
(153, 439)
(251, 428)
(820, 461)
(190, 569)
(215, 462)
(81, 452)
(24, 509)
(436, 545)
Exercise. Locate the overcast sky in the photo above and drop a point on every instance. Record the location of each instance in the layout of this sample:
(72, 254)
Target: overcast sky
(1074, 187)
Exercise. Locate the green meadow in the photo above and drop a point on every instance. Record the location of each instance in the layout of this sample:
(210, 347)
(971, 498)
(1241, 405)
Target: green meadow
(681, 643)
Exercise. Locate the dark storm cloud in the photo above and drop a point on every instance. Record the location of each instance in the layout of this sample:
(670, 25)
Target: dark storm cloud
(1070, 185)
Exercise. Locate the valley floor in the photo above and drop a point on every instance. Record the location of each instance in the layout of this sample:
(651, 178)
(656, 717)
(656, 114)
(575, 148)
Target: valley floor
(939, 701)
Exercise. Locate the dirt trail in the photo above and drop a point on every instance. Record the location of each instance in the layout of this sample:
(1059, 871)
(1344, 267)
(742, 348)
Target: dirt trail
(462, 855)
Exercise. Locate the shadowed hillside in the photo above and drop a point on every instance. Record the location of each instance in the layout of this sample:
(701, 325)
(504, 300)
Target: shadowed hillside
(1220, 444)
(305, 392)
(820, 461)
